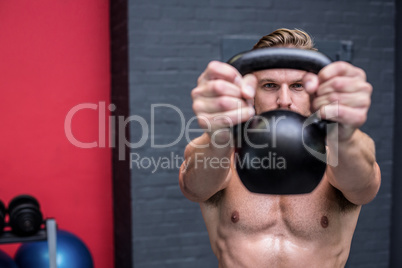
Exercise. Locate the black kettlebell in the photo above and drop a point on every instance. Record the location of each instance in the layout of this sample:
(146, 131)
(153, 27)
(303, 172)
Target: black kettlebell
(280, 152)
(25, 215)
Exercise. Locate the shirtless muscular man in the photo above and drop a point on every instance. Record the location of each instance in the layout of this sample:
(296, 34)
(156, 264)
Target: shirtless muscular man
(256, 230)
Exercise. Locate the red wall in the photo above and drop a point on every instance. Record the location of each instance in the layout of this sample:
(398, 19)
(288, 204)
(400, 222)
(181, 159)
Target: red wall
(54, 55)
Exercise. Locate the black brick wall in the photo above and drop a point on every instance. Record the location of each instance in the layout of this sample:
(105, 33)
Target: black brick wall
(396, 219)
(170, 44)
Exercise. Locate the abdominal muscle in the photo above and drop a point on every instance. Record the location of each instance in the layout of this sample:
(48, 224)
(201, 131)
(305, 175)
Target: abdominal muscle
(273, 250)
(254, 230)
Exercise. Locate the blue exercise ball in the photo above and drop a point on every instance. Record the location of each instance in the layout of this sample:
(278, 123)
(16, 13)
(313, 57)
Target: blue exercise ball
(6, 261)
(71, 252)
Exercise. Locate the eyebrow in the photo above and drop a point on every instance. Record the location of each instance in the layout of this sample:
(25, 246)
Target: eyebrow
(265, 80)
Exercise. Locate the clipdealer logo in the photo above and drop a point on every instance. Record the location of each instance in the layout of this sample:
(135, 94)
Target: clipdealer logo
(147, 134)
(120, 123)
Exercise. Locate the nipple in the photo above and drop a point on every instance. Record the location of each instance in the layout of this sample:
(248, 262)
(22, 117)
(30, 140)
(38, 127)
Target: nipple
(235, 217)
(324, 222)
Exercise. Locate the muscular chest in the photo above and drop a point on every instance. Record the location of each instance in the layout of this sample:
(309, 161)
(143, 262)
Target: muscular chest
(300, 215)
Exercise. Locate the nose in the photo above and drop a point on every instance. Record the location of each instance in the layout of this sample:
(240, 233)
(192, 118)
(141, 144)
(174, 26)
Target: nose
(284, 100)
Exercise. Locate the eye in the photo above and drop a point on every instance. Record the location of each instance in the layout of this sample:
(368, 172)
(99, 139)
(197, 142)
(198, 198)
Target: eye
(297, 86)
(269, 86)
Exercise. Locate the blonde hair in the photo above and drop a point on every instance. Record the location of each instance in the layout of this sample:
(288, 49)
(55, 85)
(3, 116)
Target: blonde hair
(286, 38)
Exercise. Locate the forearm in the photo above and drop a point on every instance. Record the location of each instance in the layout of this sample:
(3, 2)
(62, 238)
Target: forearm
(205, 169)
(357, 174)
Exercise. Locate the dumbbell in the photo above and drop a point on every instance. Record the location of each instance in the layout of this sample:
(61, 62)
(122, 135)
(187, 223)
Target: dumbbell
(25, 217)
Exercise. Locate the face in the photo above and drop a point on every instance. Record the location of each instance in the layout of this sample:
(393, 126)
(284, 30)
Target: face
(281, 89)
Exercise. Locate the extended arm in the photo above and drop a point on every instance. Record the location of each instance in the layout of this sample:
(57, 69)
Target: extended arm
(205, 170)
(342, 94)
(357, 174)
(219, 101)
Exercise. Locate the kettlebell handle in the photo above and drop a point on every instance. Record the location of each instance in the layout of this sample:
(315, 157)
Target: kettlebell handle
(279, 58)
